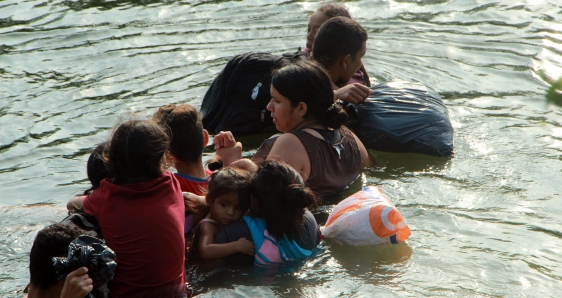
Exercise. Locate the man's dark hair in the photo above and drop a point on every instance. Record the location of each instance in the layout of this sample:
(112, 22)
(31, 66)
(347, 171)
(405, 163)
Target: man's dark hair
(336, 37)
(185, 129)
(50, 242)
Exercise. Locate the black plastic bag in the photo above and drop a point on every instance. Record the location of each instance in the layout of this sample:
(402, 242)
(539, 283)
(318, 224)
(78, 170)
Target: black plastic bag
(90, 252)
(403, 117)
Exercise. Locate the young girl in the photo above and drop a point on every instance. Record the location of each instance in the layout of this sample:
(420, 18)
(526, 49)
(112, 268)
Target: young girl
(140, 210)
(228, 199)
(281, 226)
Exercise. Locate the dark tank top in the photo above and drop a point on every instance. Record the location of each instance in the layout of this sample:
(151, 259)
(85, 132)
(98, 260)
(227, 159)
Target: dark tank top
(335, 161)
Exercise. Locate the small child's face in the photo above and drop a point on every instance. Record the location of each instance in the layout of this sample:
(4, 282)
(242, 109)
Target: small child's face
(226, 209)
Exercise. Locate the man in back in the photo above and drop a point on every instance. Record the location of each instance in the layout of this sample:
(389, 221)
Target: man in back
(339, 47)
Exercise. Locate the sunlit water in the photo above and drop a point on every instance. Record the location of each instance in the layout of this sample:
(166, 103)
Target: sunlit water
(485, 223)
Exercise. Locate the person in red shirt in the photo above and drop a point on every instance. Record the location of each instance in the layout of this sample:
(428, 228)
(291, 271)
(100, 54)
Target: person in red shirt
(187, 140)
(141, 213)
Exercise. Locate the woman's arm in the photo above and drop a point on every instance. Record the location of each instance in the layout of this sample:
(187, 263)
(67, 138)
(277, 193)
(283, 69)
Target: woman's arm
(289, 149)
(76, 204)
(366, 158)
(209, 250)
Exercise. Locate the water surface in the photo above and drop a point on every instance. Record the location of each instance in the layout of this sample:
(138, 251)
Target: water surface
(484, 223)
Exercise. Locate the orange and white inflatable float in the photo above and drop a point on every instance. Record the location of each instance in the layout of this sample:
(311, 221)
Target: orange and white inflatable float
(366, 218)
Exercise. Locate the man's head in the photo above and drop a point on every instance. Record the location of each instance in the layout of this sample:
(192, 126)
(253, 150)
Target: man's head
(339, 46)
(50, 242)
(185, 129)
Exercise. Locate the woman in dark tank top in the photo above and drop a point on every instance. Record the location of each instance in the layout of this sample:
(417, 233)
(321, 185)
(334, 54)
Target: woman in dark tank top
(313, 141)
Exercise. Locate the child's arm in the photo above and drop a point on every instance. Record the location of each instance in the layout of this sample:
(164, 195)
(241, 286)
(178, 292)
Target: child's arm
(76, 204)
(209, 250)
(77, 284)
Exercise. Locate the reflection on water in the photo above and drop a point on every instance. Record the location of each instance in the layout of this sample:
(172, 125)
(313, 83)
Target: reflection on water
(484, 223)
(554, 93)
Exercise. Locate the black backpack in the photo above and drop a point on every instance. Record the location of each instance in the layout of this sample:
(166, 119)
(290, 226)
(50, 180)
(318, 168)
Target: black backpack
(237, 98)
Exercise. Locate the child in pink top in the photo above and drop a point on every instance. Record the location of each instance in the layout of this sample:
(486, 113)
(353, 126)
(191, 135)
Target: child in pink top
(228, 199)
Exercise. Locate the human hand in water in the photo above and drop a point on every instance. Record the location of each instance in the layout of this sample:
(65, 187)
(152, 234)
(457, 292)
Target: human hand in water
(354, 93)
(77, 284)
(245, 246)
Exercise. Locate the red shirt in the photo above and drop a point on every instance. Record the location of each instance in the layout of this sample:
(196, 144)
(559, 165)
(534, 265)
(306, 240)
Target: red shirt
(143, 224)
(194, 185)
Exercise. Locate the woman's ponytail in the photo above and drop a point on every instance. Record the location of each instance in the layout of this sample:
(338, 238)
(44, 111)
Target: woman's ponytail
(335, 116)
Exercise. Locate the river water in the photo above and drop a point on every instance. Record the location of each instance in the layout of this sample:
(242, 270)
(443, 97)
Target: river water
(484, 223)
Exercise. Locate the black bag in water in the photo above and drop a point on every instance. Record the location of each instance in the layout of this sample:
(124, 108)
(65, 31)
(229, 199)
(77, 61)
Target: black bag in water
(404, 117)
(90, 252)
(237, 98)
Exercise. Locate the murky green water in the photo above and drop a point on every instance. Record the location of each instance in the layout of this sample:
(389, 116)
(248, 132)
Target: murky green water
(485, 223)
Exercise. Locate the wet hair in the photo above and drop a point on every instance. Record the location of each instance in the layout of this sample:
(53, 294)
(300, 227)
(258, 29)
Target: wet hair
(136, 152)
(95, 168)
(185, 129)
(332, 10)
(306, 81)
(336, 37)
(50, 242)
(280, 197)
(230, 180)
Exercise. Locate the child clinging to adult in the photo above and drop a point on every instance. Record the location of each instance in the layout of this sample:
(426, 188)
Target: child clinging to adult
(140, 210)
(228, 198)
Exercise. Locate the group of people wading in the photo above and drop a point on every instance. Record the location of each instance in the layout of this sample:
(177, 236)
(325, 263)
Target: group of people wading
(154, 219)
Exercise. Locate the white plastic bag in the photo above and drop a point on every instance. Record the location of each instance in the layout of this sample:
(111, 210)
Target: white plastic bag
(366, 218)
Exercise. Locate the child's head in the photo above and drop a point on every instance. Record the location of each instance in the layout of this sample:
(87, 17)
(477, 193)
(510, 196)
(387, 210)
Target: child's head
(50, 242)
(279, 196)
(136, 152)
(339, 46)
(228, 194)
(185, 129)
(95, 168)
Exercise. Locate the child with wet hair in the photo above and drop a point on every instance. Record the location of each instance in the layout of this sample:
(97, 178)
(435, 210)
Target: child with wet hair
(184, 127)
(228, 198)
(281, 226)
(140, 210)
(95, 167)
(52, 241)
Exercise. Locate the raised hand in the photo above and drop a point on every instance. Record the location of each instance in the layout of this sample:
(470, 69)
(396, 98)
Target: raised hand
(77, 284)
(224, 139)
